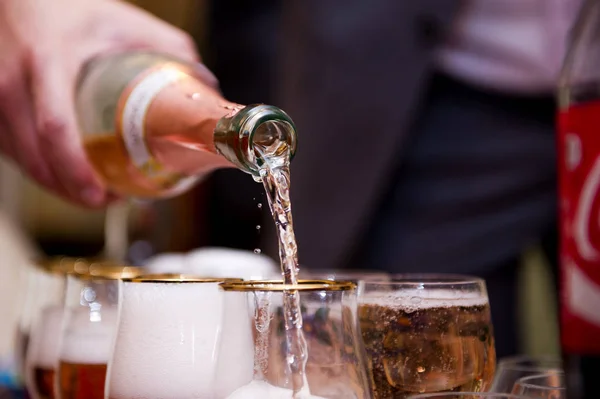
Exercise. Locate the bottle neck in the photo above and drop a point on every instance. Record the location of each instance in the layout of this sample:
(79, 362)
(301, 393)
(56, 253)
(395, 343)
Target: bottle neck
(176, 115)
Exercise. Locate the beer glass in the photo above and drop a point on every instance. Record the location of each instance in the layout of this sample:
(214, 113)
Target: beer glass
(468, 395)
(427, 333)
(543, 386)
(45, 307)
(511, 369)
(353, 275)
(253, 358)
(42, 288)
(165, 343)
(90, 321)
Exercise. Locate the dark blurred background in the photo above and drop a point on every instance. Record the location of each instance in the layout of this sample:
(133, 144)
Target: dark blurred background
(239, 42)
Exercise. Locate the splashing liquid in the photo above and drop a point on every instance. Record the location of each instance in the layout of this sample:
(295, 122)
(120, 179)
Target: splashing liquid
(275, 176)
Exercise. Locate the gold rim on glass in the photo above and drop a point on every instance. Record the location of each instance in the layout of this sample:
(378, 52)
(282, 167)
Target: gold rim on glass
(62, 265)
(109, 271)
(177, 278)
(278, 285)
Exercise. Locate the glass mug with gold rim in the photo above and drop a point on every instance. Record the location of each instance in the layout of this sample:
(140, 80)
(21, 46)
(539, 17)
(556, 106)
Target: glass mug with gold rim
(427, 333)
(167, 331)
(45, 307)
(90, 321)
(253, 357)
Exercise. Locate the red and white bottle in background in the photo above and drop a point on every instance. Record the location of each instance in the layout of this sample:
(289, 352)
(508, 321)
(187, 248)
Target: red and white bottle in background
(579, 182)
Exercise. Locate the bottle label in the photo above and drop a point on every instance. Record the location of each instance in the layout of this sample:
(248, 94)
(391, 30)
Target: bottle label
(134, 114)
(579, 182)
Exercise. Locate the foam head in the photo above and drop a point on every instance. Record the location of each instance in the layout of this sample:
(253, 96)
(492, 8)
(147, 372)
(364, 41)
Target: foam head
(88, 340)
(166, 340)
(231, 263)
(166, 263)
(419, 299)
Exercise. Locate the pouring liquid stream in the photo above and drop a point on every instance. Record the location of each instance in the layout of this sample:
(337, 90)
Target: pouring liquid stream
(275, 176)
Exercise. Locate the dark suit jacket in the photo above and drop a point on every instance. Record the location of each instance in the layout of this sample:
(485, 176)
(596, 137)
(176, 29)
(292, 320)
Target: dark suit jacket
(352, 73)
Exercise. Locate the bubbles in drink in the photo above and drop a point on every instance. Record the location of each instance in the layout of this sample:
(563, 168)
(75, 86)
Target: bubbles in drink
(258, 227)
(427, 341)
(259, 206)
(257, 250)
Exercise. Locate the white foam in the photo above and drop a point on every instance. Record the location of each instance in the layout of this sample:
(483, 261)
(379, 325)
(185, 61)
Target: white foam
(166, 342)
(166, 263)
(217, 263)
(88, 340)
(420, 299)
(263, 390)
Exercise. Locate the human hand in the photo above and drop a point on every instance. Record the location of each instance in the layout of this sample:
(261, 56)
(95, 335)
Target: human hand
(43, 45)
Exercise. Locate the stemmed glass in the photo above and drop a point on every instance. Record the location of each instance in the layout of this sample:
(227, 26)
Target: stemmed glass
(543, 386)
(253, 358)
(511, 369)
(427, 333)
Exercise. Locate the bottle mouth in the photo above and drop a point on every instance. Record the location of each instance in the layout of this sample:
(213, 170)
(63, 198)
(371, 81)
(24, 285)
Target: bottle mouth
(271, 136)
(255, 134)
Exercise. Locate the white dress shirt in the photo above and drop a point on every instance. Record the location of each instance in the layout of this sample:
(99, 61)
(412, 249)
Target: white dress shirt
(509, 45)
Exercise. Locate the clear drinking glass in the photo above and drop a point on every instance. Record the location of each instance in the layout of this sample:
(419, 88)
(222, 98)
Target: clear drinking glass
(44, 315)
(253, 361)
(353, 275)
(427, 333)
(543, 386)
(511, 369)
(42, 289)
(166, 338)
(47, 307)
(90, 321)
(468, 395)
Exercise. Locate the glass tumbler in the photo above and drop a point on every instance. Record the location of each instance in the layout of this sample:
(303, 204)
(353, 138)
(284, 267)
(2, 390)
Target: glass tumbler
(254, 357)
(90, 320)
(43, 312)
(165, 343)
(549, 385)
(511, 369)
(427, 333)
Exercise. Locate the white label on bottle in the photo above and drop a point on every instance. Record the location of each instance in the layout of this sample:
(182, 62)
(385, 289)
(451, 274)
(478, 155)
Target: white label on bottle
(134, 113)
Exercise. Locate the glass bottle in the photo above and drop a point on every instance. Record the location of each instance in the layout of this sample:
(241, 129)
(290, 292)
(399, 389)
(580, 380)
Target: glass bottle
(579, 184)
(152, 128)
